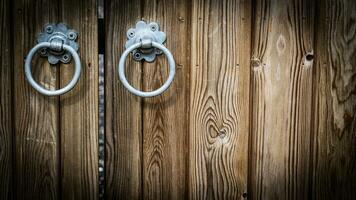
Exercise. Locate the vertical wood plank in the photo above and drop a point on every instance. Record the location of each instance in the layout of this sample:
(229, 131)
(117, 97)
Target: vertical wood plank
(79, 107)
(165, 125)
(36, 120)
(282, 66)
(219, 99)
(334, 139)
(123, 110)
(6, 105)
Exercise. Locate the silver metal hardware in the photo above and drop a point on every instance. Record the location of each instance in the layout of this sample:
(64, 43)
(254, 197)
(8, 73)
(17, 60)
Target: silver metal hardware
(146, 33)
(56, 42)
(56, 34)
(145, 42)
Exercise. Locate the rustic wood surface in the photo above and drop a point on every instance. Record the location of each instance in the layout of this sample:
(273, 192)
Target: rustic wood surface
(281, 64)
(262, 105)
(79, 108)
(56, 153)
(219, 99)
(165, 119)
(6, 106)
(123, 110)
(172, 144)
(334, 125)
(36, 117)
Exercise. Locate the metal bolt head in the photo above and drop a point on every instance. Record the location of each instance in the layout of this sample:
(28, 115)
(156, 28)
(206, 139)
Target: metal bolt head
(65, 58)
(43, 52)
(137, 55)
(131, 33)
(49, 29)
(72, 35)
(153, 26)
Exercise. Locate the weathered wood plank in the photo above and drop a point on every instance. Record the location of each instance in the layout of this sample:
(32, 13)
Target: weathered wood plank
(165, 117)
(36, 117)
(282, 65)
(6, 105)
(219, 99)
(79, 107)
(334, 139)
(123, 110)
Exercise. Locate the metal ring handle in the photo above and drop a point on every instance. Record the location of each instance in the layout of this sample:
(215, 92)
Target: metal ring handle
(38, 87)
(165, 86)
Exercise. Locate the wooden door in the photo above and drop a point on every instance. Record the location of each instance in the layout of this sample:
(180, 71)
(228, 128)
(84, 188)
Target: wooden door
(50, 143)
(262, 105)
(192, 141)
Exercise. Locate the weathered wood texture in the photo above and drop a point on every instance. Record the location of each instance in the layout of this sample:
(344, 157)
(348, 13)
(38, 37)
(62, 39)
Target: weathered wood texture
(165, 119)
(36, 117)
(146, 139)
(334, 129)
(303, 125)
(191, 142)
(79, 108)
(56, 153)
(262, 105)
(6, 128)
(282, 64)
(123, 110)
(219, 99)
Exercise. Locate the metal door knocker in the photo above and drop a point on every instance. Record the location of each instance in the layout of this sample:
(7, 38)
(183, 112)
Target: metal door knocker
(57, 43)
(145, 41)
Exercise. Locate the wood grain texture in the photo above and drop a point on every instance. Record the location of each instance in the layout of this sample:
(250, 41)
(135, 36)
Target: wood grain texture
(219, 99)
(165, 117)
(6, 105)
(123, 110)
(275, 118)
(282, 65)
(334, 139)
(36, 117)
(79, 108)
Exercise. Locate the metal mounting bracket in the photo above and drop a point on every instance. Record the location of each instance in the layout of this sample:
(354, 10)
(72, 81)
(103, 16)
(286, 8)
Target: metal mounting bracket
(144, 32)
(57, 35)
